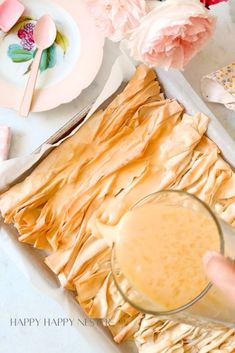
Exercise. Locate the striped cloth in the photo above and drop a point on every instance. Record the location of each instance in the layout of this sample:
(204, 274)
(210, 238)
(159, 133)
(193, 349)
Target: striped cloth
(5, 139)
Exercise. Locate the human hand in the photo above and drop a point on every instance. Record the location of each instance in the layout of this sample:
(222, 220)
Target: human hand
(221, 272)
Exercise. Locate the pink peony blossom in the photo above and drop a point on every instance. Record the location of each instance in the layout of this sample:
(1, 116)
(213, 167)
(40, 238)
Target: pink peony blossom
(117, 17)
(171, 34)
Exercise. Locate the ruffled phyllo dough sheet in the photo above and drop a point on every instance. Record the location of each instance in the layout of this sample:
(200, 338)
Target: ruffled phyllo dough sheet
(140, 144)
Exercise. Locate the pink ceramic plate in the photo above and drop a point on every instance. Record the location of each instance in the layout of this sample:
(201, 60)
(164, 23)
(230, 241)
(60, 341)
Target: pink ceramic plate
(68, 67)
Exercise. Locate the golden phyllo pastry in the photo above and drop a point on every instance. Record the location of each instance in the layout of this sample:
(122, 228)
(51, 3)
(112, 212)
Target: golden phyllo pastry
(68, 206)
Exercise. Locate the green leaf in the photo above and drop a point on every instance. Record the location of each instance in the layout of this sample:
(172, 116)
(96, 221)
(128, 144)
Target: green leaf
(62, 41)
(48, 59)
(18, 54)
(29, 68)
(51, 56)
(21, 22)
(43, 62)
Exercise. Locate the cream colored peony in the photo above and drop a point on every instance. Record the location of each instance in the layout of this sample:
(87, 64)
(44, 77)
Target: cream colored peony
(117, 17)
(172, 33)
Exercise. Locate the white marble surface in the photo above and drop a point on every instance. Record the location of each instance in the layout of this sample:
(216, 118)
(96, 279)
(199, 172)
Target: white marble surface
(18, 298)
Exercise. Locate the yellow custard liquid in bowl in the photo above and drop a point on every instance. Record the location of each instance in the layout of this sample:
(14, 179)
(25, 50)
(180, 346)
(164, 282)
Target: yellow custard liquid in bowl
(157, 261)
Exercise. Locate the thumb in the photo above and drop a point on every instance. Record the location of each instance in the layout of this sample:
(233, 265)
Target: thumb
(221, 272)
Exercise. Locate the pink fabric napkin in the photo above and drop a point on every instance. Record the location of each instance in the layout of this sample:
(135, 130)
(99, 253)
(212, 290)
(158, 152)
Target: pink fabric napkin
(5, 140)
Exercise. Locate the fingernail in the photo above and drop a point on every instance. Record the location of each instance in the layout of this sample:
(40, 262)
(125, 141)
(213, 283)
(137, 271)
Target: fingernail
(209, 255)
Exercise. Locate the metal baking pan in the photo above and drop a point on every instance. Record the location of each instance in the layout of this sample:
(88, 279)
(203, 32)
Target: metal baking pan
(174, 85)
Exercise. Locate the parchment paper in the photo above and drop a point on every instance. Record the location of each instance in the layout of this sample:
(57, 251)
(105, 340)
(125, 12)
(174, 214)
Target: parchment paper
(30, 260)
